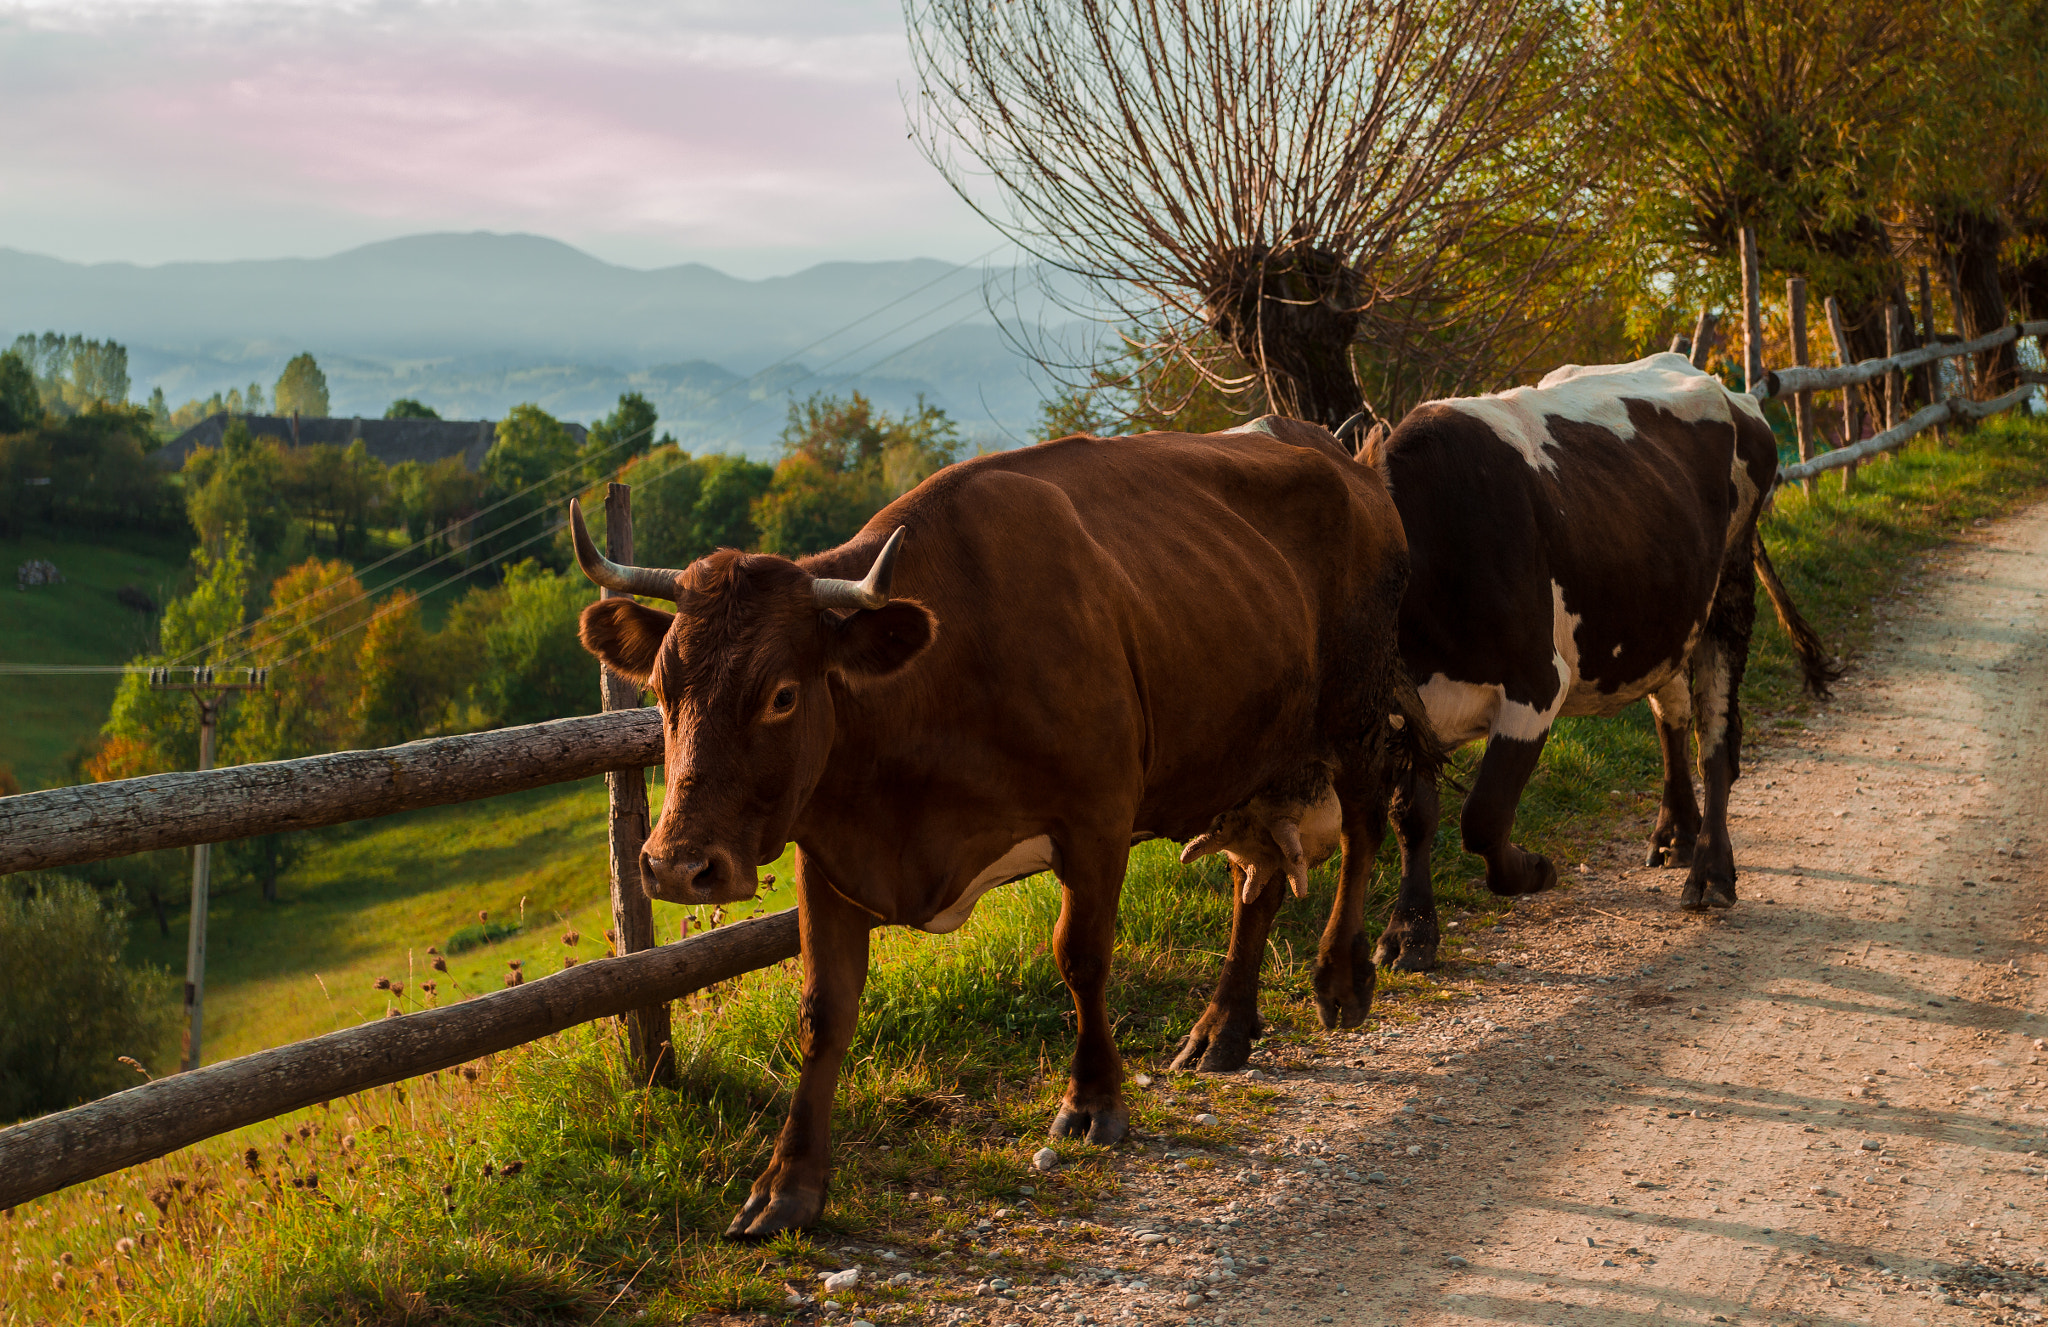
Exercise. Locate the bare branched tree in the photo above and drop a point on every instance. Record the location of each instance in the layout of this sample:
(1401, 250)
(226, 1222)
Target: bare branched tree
(1271, 182)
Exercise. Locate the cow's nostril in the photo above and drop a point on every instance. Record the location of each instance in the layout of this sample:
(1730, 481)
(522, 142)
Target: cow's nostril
(692, 869)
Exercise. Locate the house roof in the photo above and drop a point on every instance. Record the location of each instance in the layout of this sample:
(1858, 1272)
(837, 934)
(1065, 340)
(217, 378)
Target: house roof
(389, 440)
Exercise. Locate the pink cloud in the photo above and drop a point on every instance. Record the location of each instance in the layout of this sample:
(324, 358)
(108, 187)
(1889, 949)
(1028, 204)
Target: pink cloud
(681, 134)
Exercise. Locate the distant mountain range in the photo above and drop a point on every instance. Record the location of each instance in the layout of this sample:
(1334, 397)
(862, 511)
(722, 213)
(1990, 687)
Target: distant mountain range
(473, 324)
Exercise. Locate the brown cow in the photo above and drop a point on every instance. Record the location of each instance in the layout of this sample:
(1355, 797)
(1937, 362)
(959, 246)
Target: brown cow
(1051, 654)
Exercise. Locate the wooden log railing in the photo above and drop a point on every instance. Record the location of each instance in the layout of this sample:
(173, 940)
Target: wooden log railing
(1956, 410)
(1784, 382)
(93, 821)
(44, 1155)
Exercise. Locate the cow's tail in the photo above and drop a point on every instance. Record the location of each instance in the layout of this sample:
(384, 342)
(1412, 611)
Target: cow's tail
(1820, 670)
(1412, 745)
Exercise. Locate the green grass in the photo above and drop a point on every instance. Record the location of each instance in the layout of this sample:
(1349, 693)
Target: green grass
(958, 1062)
(45, 720)
(370, 900)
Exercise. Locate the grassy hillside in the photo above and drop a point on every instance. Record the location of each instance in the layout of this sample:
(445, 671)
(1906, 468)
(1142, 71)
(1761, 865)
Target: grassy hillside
(43, 720)
(959, 1058)
(369, 900)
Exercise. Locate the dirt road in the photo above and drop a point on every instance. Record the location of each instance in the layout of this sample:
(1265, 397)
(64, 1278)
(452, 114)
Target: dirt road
(1821, 1108)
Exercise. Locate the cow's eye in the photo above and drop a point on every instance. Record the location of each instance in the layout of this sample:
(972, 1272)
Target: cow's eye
(784, 700)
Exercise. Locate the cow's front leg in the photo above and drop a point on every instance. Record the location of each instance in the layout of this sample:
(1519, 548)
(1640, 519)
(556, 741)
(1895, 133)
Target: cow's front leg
(1718, 665)
(1678, 817)
(1345, 976)
(1091, 880)
(1222, 1037)
(834, 933)
(1409, 942)
(1490, 816)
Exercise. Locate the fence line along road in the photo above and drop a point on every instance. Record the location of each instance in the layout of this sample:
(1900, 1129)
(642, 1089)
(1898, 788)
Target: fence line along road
(157, 1118)
(1785, 382)
(1954, 410)
(92, 821)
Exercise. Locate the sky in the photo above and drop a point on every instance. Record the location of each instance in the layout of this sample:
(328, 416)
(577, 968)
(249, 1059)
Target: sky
(760, 137)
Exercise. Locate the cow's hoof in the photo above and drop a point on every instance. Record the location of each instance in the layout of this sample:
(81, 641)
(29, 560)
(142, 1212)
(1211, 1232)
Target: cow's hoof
(769, 1212)
(1102, 1126)
(1521, 873)
(1215, 1046)
(1702, 894)
(1407, 947)
(1669, 852)
(1344, 991)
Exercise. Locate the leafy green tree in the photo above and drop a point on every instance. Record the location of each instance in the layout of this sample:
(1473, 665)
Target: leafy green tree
(534, 668)
(684, 506)
(149, 731)
(841, 463)
(21, 405)
(252, 398)
(405, 407)
(1785, 116)
(302, 389)
(69, 1006)
(432, 498)
(627, 432)
(315, 612)
(159, 410)
(533, 463)
(402, 687)
(723, 515)
(239, 485)
(72, 372)
(339, 487)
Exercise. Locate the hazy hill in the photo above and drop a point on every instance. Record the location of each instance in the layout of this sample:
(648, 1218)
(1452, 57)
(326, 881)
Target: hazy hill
(475, 323)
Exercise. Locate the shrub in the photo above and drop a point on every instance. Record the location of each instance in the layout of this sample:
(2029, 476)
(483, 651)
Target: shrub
(68, 1005)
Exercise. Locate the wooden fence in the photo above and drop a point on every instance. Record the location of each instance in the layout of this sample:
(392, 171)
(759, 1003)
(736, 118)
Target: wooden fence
(91, 822)
(1800, 381)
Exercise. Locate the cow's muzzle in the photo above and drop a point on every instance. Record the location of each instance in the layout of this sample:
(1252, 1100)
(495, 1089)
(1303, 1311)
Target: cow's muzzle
(711, 876)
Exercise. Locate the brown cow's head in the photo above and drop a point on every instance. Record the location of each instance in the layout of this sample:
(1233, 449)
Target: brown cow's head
(743, 674)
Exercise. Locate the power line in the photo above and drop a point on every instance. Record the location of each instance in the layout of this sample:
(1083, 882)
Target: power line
(581, 462)
(808, 374)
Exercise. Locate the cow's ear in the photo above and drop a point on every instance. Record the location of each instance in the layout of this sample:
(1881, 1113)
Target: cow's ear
(878, 641)
(626, 635)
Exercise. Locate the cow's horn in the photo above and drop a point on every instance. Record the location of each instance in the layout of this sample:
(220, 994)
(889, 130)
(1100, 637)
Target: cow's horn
(1288, 835)
(655, 582)
(1349, 428)
(870, 593)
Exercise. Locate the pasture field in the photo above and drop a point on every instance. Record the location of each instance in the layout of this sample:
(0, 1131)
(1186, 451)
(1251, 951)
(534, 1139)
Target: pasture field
(550, 1186)
(44, 720)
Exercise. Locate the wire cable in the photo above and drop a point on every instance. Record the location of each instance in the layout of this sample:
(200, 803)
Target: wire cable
(582, 461)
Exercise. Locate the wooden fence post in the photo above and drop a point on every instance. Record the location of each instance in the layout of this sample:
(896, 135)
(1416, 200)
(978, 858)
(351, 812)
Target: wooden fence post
(647, 1030)
(1930, 377)
(1752, 314)
(1852, 415)
(1703, 338)
(1894, 381)
(1802, 402)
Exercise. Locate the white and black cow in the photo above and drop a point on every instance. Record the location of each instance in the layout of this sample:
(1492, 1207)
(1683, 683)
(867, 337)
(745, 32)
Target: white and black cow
(1578, 546)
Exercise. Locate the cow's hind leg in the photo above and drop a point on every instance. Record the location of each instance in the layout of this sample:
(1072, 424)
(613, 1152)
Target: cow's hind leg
(1222, 1037)
(1091, 881)
(1678, 818)
(1345, 975)
(1718, 665)
(834, 934)
(1490, 816)
(1409, 942)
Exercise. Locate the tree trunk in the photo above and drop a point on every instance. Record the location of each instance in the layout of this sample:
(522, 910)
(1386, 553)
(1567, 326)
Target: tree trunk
(2030, 275)
(156, 903)
(1292, 316)
(1968, 242)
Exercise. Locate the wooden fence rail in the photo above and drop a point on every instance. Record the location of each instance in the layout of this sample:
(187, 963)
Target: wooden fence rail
(1784, 382)
(92, 821)
(157, 1118)
(1954, 410)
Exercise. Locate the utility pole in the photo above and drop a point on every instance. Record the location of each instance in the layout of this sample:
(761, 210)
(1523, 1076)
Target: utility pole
(211, 693)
